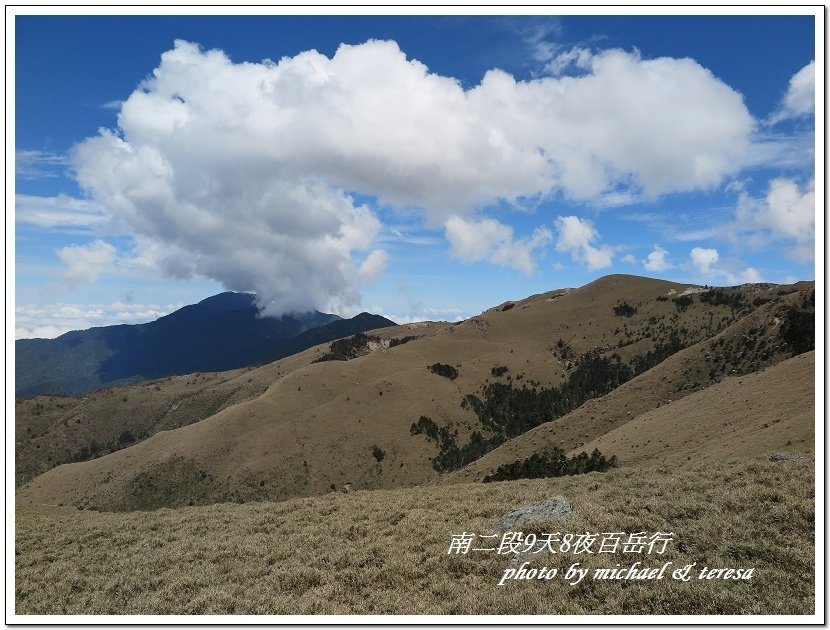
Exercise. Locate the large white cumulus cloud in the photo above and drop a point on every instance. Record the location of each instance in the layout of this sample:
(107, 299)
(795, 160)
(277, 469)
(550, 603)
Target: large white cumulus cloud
(247, 173)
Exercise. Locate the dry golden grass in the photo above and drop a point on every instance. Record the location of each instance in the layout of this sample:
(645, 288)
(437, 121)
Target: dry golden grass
(54, 430)
(770, 410)
(773, 409)
(385, 551)
(696, 466)
(316, 424)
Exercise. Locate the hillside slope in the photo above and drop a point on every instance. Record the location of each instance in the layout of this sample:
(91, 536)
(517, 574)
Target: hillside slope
(325, 425)
(54, 430)
(753, 414)
(385, 551)
(687, 371)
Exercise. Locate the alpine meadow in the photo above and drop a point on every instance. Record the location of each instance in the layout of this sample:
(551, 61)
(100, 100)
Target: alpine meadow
(429, 317)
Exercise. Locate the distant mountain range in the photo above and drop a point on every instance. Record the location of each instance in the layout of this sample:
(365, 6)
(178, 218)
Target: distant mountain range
(219, 333)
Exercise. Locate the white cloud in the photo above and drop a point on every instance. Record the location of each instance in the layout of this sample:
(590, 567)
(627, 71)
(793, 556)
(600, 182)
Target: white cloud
(702, 259)
(61, 211)
(33, 164)
(238, 172)
(786, 214)
(52, 320)
(656, 260)
(801, 95)
(779, 151)
(629, 258)
(576, 58)
(85, 263)
(416, 312)
(750, 275)
(789, 211)
(374, 264)
(538, 38)
(708, 265)
(576, 237)
(472, 241)
(734, 273)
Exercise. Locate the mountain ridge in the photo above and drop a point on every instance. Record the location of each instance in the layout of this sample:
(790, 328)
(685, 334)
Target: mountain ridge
(219, 333)
(325, 424)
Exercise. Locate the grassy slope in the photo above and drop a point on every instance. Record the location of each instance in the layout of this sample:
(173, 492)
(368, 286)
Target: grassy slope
(54, 430)
(316, 425)
(667, 384)
(770, 410)
(386, 551)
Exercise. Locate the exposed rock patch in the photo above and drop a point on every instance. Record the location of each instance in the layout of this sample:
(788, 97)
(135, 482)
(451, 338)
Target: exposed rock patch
(787, 457)
(557, 507)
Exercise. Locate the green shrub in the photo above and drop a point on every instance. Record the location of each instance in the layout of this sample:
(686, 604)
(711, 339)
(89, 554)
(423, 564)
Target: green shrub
(624, 310)
(553, 463)
(723, 297)
(378, 453)
(348, 348)
(798, 329)
(399, 342)
(442, 369)
(683, 302)
(426, 426)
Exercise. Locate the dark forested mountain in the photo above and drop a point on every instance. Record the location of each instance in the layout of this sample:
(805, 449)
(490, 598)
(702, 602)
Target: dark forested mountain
(222, 332)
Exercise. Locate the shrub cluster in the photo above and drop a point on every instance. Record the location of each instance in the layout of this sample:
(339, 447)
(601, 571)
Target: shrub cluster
(450, 455)
(399, 342)
(798, 329)
(348, 348)
(624, 310)
(427, 426)
(554, 463)
(721, 297)
(378, 453)
(683, 302)
(507, 411)
(662, 351)
(442, 369)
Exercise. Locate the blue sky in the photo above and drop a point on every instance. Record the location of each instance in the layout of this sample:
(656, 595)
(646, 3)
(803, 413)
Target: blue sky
(417, 167)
